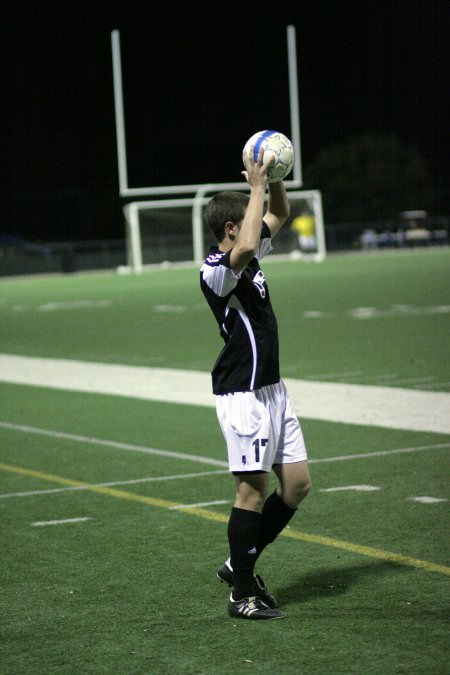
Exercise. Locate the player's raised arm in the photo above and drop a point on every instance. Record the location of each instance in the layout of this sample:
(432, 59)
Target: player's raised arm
(246, 235)
(278, 208)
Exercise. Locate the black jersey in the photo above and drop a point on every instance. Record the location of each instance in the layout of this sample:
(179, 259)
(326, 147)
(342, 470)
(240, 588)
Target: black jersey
(241, 304)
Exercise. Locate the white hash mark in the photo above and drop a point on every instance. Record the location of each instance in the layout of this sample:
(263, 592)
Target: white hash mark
(356, 488)
(427, 500)
(42, 523)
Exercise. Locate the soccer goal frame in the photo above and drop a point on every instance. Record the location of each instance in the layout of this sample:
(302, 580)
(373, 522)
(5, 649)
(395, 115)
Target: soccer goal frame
(133, 211)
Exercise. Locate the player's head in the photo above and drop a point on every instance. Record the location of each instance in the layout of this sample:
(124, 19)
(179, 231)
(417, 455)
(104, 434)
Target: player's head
(223, 208)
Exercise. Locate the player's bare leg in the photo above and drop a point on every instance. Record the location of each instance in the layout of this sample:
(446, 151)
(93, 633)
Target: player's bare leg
(295, 482)
(251, 491)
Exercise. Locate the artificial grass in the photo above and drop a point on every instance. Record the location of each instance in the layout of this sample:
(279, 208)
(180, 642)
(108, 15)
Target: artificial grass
(133, 589)
(160, 318)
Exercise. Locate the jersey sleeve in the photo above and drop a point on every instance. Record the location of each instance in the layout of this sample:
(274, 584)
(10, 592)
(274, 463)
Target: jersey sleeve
(265, 243)
(218, 275)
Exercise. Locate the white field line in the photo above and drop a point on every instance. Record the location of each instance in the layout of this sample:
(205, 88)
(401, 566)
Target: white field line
(416, 380)
(332, 376)
(113, 444)
(199, 504)
(134, 481)
(427, 500)
(43, 523)
(436, 384)
(389, 407)
(73, 304)
(379, 453)
(356, 488)
(176, 455)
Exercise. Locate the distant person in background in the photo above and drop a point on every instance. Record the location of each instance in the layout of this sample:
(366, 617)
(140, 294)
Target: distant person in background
(368, 239)
(258, 422)
(305, 228)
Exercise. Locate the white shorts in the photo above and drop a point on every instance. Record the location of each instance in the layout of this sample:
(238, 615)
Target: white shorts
(260, 429)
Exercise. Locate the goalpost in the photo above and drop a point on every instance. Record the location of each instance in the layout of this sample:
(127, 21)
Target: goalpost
(174, 212)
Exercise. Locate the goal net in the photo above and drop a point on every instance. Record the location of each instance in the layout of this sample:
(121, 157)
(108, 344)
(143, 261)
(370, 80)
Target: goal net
(169, 231)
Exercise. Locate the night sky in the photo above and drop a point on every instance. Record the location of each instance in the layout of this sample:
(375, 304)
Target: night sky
(199, 79)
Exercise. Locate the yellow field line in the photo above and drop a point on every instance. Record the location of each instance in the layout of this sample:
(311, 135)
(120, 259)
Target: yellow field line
(380, 554)
(112, 492)
(368, 551)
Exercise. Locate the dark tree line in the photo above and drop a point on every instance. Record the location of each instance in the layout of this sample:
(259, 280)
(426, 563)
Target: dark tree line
(372, 177)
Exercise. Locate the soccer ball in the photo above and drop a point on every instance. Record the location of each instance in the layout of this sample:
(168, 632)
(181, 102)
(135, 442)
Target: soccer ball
(276, 145)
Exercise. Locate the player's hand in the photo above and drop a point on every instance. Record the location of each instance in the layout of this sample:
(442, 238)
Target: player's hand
(255, 172)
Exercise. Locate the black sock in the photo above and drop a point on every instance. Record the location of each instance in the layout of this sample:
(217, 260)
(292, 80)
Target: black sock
(274, 518)
(243, 535)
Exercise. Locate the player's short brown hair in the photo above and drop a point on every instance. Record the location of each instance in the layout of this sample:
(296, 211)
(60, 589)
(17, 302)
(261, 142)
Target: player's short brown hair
(225, 207)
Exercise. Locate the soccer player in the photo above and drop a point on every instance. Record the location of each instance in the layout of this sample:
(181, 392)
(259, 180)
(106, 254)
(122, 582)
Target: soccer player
(259, 425)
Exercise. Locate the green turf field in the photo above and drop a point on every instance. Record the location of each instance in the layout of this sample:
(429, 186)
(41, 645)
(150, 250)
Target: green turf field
(126, 583)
